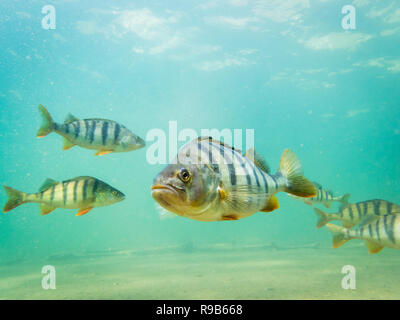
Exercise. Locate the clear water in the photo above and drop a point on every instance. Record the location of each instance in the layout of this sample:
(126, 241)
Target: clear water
(235, 64)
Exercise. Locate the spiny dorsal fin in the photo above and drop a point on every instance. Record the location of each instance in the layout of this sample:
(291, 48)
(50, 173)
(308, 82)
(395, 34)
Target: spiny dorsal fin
(211, 139)
(317, 185)
(257, 159)
(70, 118)
(47, 184)
(78, 178)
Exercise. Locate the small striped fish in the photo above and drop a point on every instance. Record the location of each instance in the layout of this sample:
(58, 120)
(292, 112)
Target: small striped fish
(324, 197)
(354, 213)
(83, 193)
(211, 181)
(103, 135)
(382, 232)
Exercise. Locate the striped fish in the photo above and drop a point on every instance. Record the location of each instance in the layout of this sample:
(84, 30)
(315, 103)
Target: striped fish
(380, 232)
(83, 193)
(354, 213)
(212, 181)
(103, 135)
(324, 197)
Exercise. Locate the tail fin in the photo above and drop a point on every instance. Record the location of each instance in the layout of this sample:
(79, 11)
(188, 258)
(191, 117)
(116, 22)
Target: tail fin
(323, 217)
(47, 125)
(297, 184)
(15, 198)
(338, 234)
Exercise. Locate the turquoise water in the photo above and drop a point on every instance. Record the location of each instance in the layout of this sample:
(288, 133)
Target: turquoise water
(286, 69)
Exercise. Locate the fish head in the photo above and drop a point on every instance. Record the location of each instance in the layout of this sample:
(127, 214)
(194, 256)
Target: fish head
(185, 189)
(106, 194)
(131, 142)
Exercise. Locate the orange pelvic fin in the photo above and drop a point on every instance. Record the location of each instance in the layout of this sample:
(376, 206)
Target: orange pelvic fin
(102, 152)
(81, 212)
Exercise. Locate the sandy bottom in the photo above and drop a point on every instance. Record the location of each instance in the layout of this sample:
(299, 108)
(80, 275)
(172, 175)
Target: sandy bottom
(217, 273)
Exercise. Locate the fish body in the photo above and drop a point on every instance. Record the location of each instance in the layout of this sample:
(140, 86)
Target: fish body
(83, 193)
(324, 197)
(211, 181)
(103, 135)
(382, 231)
(354, 213)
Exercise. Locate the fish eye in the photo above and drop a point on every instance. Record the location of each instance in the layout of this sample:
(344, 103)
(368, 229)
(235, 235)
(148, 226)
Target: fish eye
(184, 175)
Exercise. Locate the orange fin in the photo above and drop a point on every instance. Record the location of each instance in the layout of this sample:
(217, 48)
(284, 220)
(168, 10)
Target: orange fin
(327, 205)
(272, 205)
(308, 202)
(230, 217)
(222, 193)
(102, 152)
(373, 247)
(81, 212)
(67, 144)
(45, 209)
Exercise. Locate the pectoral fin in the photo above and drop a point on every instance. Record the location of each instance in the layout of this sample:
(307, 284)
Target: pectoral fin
(327, 205)
(67, 144)
(272, 205)
(83, 211)
(45, 209)
(373, 247)
(102, 152)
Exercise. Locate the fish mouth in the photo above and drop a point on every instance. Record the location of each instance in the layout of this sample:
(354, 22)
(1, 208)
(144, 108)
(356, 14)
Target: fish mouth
(164, 187)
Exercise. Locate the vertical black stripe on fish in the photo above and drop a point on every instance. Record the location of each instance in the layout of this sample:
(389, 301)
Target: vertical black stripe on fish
(231, 168)
(66, 127)
(377, 229)
(52, 193)
(84, 191)
(65, 186)
(117, 130)
(104, 132)
(276, 183)
(351, 212)
(92, 130)
(95, 186)
(75, 190)
(243, 165)
(376, 205)
(388, 228)
(77, 126)
(359, 211)
(87, 126)
(365, 209)
(265, 180)
(215, 165)
(389, 207)
(361, 231)
(41, 195)
(252, 165)
(370, 230)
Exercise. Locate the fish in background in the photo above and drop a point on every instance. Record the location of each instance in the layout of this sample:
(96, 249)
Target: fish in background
(354, 213)
(378, 232)
(82, 193)
(324, 197)
(103, 135)
(212, 181)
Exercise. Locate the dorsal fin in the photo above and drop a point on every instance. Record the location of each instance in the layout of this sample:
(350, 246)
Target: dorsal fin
(211, 139)
(257, 159)
(79, 178)
(47, 184)
(70, 118)
(316, 184)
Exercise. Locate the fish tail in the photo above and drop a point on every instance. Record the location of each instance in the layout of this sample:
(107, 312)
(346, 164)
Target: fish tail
(339, 235)
(15, 198)
(296, 182)
(47, 125)
(323, 217)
